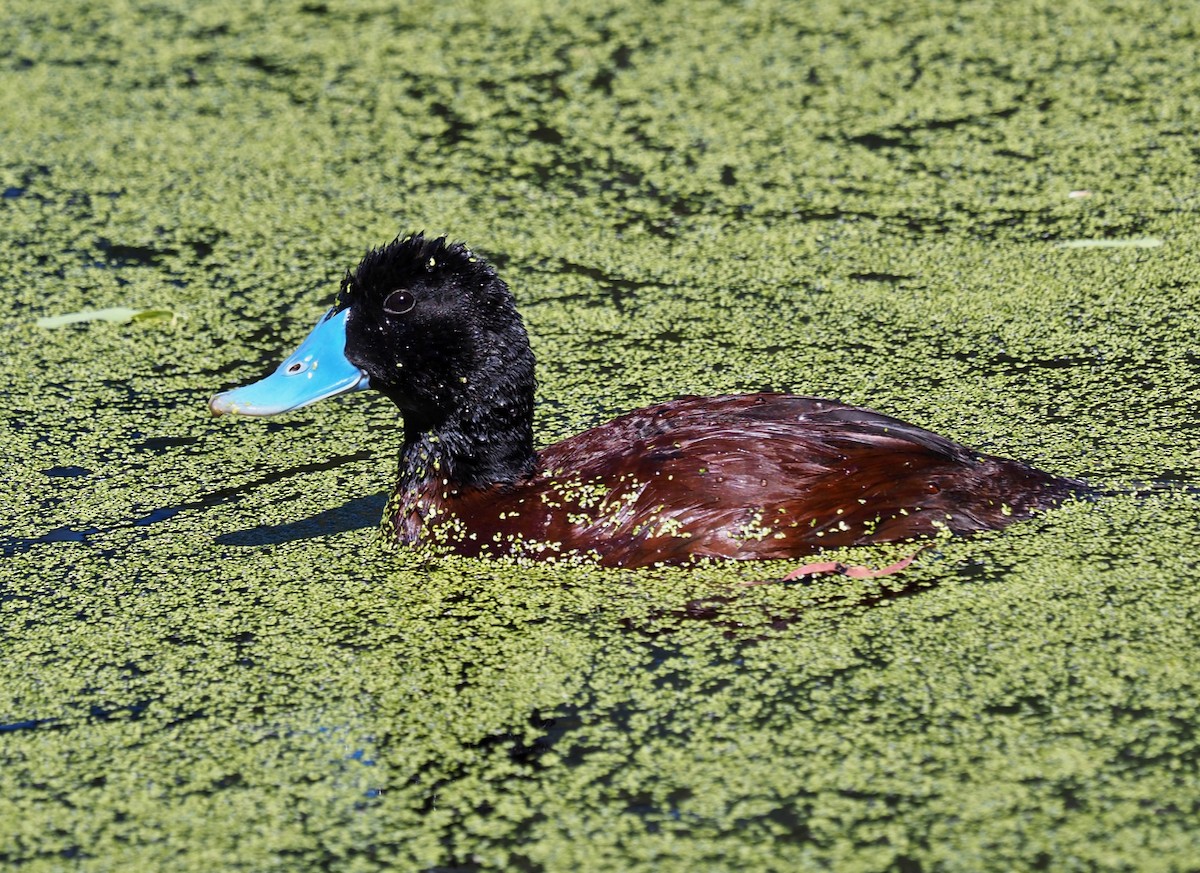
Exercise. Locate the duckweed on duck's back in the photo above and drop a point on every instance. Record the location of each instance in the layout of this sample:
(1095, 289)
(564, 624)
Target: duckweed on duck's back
(432, 327)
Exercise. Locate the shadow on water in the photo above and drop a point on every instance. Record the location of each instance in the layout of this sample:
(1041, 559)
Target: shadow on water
(234, 492)
(355, 514)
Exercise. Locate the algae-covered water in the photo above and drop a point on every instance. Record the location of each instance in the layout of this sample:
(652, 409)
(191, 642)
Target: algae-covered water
(980, 217)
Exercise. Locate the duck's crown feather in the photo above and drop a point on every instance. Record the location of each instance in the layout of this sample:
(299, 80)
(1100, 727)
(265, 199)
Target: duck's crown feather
(404, 259)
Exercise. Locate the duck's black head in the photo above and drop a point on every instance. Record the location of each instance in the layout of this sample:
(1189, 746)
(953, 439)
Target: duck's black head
(430, 325)
(436, 330)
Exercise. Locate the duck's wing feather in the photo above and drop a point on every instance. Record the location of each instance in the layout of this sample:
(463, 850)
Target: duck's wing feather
(769, 475)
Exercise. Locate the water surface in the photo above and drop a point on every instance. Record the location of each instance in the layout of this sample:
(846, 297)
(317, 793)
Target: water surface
(209, 664)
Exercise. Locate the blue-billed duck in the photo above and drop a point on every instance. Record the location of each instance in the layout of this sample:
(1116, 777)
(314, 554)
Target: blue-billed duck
(431, 326)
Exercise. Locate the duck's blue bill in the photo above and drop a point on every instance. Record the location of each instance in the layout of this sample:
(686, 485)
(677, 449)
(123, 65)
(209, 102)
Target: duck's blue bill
(316, 370)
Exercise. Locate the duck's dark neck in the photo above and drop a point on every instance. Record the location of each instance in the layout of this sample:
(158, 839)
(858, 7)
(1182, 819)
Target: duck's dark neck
(478, 444)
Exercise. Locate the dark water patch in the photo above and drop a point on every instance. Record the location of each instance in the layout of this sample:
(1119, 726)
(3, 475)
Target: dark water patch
(225, 495)
(619, 288)
(27, 725)
(979, 572)
(621, 58)
(257, 351)
(552, 729)
(546, 134)
(900, 136)
(1009, 364)
(136, 399)
(270, 331)
(238, 365)
(744, 621)
(880, 277)
(127, 712)
(14, 545)
(158, 515)
(66, 534)
(270, 66)
(159, 445)
(68, 472)
(200, 248)
(457, 128)
(120, 255)
(921, 226)
(350, 517)
(1169, 480)
(807, 215)
(876, 141)
(356, 514)
(285, 426)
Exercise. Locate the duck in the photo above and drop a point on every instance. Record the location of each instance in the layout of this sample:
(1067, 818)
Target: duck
(430, 325)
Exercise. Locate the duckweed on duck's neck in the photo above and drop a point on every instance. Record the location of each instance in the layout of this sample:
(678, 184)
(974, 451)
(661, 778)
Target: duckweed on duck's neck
(487, 441)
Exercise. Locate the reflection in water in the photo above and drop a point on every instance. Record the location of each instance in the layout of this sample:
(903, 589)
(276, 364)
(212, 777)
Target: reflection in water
(741, 618)
(747, 619)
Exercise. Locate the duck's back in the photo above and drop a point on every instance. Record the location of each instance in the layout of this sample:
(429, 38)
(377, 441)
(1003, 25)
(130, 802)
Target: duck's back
(774, 476)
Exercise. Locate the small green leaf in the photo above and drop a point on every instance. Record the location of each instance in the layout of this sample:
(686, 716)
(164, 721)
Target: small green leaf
(114, 314)
(1145, 242)
(153, 316)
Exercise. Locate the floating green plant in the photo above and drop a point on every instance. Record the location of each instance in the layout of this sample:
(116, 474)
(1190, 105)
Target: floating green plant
(1146, 242)
(114, 314)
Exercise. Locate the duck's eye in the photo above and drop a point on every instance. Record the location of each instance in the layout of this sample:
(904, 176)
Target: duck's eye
(296, 367)
(399, 302)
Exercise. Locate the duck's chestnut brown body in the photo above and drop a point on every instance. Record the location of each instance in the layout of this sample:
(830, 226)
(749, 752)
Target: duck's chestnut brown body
(744, 476)
(747, 476)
